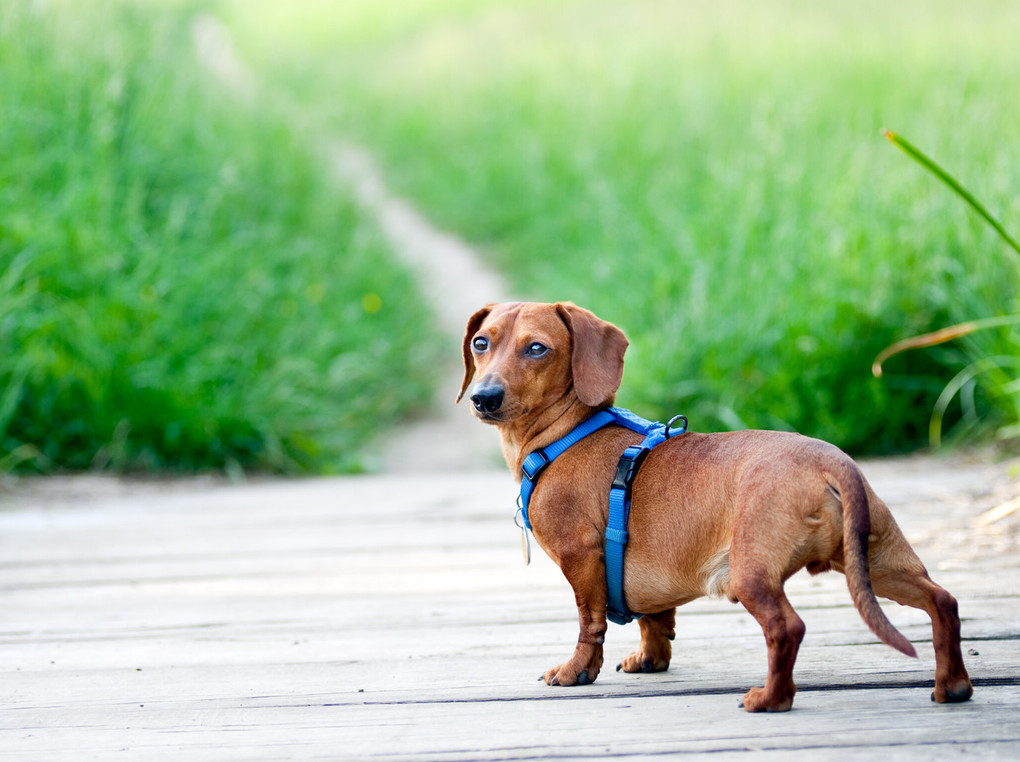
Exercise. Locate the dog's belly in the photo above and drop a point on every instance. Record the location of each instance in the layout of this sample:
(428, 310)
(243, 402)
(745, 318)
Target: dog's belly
(651, 595)
(676, 555)
(654, 583)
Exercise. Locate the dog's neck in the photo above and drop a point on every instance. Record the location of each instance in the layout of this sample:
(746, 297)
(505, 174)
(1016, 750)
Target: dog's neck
(555, 422)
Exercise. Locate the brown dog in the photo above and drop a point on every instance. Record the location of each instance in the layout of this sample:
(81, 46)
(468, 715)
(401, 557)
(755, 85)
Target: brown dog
(732, 514)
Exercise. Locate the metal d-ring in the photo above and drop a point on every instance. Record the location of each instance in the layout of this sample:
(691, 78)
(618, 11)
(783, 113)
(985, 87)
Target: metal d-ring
(673, 420)
(519, 516)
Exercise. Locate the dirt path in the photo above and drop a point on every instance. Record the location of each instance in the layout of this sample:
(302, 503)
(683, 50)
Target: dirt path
(454, 280)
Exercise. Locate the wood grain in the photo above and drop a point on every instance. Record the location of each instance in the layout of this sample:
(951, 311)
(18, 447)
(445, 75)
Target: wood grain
(392, 618)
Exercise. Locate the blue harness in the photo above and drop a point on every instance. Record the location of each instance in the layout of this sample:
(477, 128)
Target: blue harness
(619, 495)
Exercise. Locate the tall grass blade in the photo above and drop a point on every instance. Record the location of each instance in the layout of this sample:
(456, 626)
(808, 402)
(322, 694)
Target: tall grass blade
(983, 364)
(972, 371)
(921, 158)
(940, 336)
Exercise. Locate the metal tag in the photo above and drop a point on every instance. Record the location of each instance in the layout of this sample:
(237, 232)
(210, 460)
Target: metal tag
(525, 540)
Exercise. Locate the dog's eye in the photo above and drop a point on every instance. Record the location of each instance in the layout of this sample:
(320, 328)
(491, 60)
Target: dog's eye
(480, 343)
(536, 350)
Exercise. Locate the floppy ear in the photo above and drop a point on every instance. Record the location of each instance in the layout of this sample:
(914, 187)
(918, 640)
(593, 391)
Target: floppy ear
(474, 323)
(596, 359)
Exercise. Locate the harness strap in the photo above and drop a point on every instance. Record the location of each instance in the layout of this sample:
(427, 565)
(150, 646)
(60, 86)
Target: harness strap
(619, 495)
(539, 460)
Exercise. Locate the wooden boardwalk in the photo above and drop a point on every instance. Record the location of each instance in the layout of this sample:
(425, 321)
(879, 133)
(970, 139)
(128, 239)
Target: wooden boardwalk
(392, 618)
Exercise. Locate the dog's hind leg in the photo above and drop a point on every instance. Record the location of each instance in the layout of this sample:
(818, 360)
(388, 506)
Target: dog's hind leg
(657, 630)
(897, 574)
(763, 554)
(784, 631)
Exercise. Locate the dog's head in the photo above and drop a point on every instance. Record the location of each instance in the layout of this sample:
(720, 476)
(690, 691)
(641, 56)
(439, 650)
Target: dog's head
(527, 356)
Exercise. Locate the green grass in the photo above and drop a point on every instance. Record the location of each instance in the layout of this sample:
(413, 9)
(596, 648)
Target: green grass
(711, 177)
(181, 286)
(999, 364)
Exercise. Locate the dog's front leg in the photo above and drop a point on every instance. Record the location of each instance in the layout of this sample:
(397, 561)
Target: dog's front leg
(657, 630)
(586, 576)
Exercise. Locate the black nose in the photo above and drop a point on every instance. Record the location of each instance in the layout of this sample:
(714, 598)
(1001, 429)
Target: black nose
(487, 399)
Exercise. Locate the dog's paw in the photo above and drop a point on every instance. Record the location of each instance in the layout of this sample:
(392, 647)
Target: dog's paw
(566, 675)
(640, 662)
(582, 668)
(961, 690)
(757, 700)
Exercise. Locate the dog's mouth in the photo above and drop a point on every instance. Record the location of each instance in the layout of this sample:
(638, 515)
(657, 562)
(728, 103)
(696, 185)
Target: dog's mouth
(496, 417)
(504, 414)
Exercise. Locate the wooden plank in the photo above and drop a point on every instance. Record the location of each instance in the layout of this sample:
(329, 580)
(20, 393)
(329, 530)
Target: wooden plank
(392, 617)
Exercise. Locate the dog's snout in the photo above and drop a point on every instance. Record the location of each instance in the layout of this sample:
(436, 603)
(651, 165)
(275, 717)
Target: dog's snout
(487, 398)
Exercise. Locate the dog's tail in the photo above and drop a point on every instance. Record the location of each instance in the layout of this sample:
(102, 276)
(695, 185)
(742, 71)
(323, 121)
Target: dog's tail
(856, 528)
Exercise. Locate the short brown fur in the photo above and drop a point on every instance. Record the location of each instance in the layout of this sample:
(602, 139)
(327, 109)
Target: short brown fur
(733, 514)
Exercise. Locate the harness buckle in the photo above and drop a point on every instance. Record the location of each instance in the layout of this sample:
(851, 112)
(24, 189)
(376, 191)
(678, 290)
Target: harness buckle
(533, 472)
(627, 468)
(617, 617)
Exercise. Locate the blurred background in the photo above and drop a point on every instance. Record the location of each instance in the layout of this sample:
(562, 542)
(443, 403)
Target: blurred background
(185, 287)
